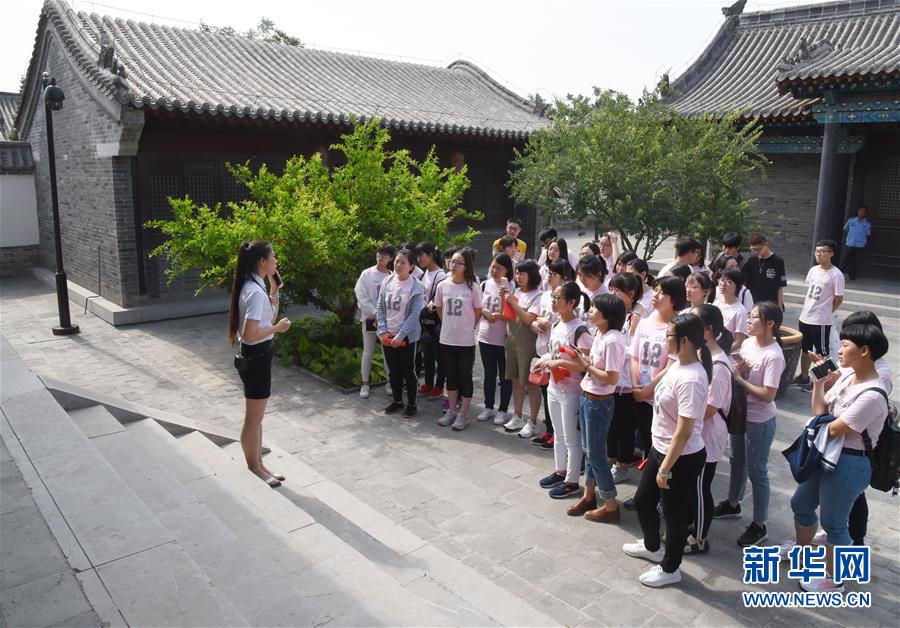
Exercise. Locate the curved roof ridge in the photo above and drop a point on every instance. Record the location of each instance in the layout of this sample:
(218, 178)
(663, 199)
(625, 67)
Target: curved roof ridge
(490, 81)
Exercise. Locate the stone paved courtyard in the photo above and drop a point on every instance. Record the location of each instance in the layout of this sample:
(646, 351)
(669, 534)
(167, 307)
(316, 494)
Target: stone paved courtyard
(473, 494)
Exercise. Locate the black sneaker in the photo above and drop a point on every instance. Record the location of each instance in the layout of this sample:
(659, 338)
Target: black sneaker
(565, 491)
(552, 480)
(547, 445)
(410, 411)
(540, 440)
(800, 380)
(393, 407)
(724, 510)
(754, 535)
(629, 504)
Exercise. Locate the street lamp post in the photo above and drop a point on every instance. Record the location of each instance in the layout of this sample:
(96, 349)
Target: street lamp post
(53, 101)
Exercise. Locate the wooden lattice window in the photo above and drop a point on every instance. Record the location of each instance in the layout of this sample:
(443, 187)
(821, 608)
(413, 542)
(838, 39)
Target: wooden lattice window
(889, 201)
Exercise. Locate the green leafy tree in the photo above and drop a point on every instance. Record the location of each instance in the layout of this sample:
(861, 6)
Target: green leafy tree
(324, 224)
(640, 168)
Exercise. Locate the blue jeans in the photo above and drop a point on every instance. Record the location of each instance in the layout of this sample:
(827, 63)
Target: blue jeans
(833, 493)
(750, 457)
(595, 419)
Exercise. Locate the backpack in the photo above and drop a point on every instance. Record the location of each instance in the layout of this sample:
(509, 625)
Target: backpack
(736, 417)
(885, 455)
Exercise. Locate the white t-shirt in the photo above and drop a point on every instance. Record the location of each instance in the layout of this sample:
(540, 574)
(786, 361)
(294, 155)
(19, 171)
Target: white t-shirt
(715, 430)
(682, 391)
(254, 305)
(666, 270)
(766, 366)
(608, 353)
(884, 374)
(649, 347)
(735, 317)
(624, 385)
(563, 334)
(821, 288)
(543, 307)
(367, 288)
(744, 297)
(584, 313)
(397, 295)
(492, 333)
(862, 410)
(647, 302)
(429, 279)
(459, 302)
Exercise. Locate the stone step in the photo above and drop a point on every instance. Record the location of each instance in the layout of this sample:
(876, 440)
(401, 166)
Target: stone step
(852, 303)
(333, 578)
(459, 589)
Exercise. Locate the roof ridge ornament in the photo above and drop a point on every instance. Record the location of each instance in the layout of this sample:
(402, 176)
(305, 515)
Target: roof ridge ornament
(805, 53)
(735, 9)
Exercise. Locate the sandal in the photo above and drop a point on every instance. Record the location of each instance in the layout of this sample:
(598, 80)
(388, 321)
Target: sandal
(696, 547)
(273, 481)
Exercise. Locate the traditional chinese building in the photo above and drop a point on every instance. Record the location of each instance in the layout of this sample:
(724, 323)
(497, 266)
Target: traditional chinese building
(153, 111)
(824, 80)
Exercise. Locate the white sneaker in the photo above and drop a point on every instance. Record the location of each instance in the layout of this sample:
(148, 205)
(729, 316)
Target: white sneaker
(485, 415)
(639, 550)
(820, 538)
(529, 431)
(784, 550)
(364, 391)
(619, 474)
(460, 423)
(821, 585)
(514, 424)
(388, 390)
(447, 419)
(656, 577)
(501, 418)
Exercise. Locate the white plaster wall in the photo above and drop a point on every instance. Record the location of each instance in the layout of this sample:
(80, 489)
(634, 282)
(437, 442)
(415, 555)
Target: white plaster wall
(18, 210)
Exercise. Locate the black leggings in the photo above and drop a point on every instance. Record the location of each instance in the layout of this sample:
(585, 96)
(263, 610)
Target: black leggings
(676, 504)
(432, 357)
(620, 442)
(459, 363)
(859, 520)
(548, 424)
(401, 362)
(641, 419)
(702, 503)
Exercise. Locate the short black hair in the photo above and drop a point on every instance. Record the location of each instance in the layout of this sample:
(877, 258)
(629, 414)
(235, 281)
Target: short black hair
(735, 276)
(731, 239)
(593, 246)
(831, 244)
(673, 287)
(863, 317)
(628, 282)
(530, 268)
(506, 241)
(427, 248)
(514, 219)
(450, 252)
(592, 265)
(612, 308)
(563, 268)
(867, 336)
(624, 258)
(386, 249)
(547, 233)
(686, 244)
(682, 271)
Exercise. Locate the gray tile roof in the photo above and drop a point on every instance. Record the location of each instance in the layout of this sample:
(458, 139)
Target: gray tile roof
(163, 67)
(9, 104)
(755, 57)
(16, 158)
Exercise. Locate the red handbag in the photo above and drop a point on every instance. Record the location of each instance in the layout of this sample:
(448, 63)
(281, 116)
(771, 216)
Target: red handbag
(540, 378)
(508, 313)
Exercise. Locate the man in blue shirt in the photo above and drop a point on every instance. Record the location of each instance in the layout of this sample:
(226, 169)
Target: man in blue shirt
(858, 230)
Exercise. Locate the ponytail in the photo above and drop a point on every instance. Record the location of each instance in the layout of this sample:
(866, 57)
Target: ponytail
(711, 317)
(690, 326)
(571, 292)
(768, 311)
(248, 256)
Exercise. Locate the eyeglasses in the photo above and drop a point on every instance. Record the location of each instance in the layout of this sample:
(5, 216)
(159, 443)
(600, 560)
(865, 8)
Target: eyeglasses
(556, 298)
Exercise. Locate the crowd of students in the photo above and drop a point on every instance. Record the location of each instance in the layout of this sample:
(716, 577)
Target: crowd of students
(634, 372)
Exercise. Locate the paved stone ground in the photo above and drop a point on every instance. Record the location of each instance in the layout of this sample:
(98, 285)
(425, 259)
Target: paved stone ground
(474, 494)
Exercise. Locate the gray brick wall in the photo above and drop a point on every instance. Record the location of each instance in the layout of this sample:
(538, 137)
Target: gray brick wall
(95, 193)
(786, 206)
(15, 260)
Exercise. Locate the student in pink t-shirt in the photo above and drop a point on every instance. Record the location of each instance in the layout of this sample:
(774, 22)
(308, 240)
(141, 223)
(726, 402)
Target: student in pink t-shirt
(649, 357)
(640, 268)
(731, 280)
(677, 455)
(492, 337)
(858, 402)
(458, 303)
(824, 295)
(715, 429)
(564, 390)
(758, 370)
(601, 374)
(698, 287)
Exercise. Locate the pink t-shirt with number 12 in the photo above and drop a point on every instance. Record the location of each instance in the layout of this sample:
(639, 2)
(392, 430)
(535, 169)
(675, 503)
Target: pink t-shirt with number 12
(459, 302)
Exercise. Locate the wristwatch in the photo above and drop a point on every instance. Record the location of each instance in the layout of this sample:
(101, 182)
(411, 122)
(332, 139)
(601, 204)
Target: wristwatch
(665, 474)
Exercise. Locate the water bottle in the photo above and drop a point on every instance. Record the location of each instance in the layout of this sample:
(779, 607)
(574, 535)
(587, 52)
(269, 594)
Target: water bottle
(644, 378)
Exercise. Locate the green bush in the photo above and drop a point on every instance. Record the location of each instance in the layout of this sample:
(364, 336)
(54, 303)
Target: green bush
(318, 345)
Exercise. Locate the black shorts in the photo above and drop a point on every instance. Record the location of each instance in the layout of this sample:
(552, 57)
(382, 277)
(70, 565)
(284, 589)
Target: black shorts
(816, 337)
(257, 377)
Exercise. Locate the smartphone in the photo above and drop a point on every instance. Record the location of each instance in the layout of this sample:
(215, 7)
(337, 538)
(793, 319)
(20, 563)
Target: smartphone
(277, 278)
(504, 283)
(822, 370)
